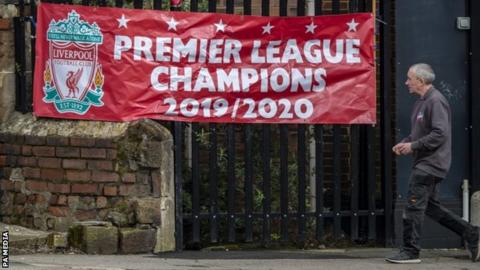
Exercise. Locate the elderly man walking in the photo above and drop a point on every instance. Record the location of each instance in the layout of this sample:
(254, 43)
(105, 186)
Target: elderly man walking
(430, 143)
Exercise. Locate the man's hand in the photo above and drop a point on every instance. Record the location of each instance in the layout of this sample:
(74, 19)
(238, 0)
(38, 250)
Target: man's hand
(396, 149)
(402, 149)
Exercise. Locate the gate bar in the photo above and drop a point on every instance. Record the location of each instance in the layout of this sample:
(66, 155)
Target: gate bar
(247, 10)
(157, 4)
(231, 181)
(230, 7)
(318, 7)
(337, 178)
(319, 174)
(213, 182)
(284, 181)
(195, 185)
(248, 183)
(301, 163)
(336, 6)
(247, 7)
(371, 182)
(354, 163)
(194, 5)
(178, 139)
(266, 183)
(265, 7)
(212, 6)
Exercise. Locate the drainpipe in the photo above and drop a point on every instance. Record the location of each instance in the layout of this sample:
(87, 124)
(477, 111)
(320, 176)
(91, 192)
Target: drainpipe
(310, 7)
(311, 145)
(465, 200)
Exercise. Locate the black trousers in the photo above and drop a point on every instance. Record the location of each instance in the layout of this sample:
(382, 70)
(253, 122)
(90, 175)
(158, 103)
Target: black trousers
(422, 199)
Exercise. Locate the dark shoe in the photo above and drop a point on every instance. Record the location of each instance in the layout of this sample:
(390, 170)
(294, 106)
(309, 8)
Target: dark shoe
(472, 243)
(403, 257)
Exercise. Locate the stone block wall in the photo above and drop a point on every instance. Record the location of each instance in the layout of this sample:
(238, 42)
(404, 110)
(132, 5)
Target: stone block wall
(52, 179)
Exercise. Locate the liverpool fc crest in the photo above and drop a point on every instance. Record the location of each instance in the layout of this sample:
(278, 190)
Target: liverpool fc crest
(73, 77)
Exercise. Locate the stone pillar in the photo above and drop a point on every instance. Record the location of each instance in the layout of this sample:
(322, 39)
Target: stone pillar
(7, 61)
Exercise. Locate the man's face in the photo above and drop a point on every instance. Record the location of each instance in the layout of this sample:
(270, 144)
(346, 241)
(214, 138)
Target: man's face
(414, 84)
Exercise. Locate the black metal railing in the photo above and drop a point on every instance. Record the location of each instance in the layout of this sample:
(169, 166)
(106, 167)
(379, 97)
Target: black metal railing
(250, 182)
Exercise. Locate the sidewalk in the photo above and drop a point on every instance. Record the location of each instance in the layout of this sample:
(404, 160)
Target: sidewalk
(336, 259)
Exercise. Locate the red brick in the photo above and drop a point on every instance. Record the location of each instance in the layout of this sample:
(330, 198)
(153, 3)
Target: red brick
(34, 140)
(107, 143)
(82, 215)
(2, 148)
(74, 164)
(53, 199)
(102, 202)
(49, 163)
(57, 141)
(39, 198)
(104, 165)
(85, 142)
(19, 210)
(7, 171)
(7, 185)
(59, 188)
(12, 149)
(58, 211)
(36, 185)
(128, 178)
(52, 174)
(110, 191)
(7, 138)
(20, 198)
(111, 154)
(27, 161)
(19, 185)
(3, 161)
(124, 190)
(26, 150)
(43, 151)
(93, 153)
(76, 175)
(62, 200)
(101, 176)
(31, 198)
(73, 201)
(68, 152)
(31, 172)
(85, 188)
(11, 161)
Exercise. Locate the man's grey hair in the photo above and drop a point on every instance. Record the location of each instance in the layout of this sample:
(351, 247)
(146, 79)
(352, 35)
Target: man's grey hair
(424, 72)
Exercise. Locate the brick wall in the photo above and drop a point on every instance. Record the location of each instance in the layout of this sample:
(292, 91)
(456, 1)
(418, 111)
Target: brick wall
(50, 182)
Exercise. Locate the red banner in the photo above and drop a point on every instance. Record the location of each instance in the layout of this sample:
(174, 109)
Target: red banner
(123, 64)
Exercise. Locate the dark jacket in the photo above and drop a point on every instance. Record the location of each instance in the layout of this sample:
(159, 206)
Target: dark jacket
(431, 134)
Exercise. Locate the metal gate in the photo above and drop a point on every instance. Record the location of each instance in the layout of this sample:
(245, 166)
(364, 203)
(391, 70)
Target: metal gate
(293, 184)
(273, 183)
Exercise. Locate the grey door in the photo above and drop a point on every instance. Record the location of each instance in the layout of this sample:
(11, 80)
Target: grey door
(426, 31)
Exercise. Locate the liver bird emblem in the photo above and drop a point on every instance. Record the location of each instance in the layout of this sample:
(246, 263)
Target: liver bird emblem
(72, 82)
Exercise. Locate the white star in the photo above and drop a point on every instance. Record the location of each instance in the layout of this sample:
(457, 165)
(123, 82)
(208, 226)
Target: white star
(310, 28)
(122, 22)
(172, 24)
(352, 26)
(267, 28)
(220, 26)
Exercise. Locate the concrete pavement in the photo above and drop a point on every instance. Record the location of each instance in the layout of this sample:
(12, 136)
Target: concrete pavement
(337, 259)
